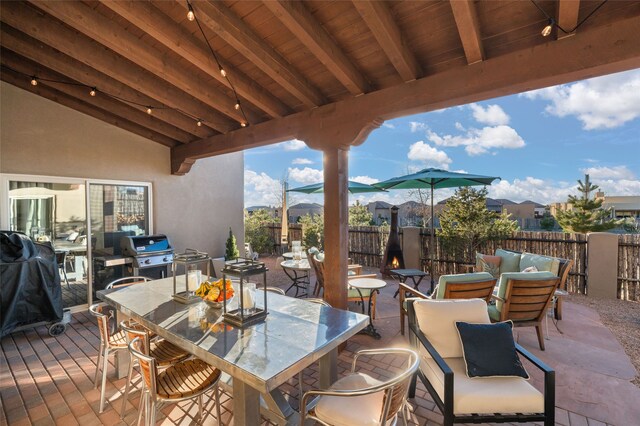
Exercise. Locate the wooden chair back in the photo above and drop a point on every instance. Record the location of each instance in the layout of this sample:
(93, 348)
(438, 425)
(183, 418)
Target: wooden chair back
(103, 314)
(148, 367)
(527, 300)
(134, 330)
(471, 290)
(563, 272)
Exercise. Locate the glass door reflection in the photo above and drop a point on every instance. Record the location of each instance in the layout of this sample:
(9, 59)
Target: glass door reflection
(55, 213)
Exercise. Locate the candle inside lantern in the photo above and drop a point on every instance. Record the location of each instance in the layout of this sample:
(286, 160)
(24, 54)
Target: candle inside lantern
(248, 291)
(193, 279)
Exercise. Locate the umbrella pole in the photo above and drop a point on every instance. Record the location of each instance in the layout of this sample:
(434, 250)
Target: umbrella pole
(432, 248)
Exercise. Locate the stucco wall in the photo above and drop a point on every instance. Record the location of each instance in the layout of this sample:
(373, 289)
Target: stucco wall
(40, 137)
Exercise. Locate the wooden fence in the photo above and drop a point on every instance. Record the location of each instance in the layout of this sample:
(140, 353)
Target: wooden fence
(629, 267)
(366, 244)
(295, 234)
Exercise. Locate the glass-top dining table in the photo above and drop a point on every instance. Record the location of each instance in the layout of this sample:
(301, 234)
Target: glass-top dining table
(258, 358)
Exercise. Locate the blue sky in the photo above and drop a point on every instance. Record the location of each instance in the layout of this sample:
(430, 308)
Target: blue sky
(539, 143)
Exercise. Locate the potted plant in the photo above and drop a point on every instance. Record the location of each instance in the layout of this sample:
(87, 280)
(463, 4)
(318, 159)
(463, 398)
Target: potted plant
(231, 248)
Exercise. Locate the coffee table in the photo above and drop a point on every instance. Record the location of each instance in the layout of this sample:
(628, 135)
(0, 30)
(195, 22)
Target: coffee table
(374, 285)
(404, 274)
(299, 274)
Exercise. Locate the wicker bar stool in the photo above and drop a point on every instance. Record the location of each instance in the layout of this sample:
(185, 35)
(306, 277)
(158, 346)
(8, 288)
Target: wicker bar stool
(109, 342)
(164, 352)
(184, 380)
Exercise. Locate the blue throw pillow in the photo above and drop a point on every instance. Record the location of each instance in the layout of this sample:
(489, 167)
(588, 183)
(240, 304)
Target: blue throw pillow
(489, 350)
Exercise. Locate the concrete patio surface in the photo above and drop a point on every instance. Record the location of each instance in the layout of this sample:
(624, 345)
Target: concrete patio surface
(46, 380)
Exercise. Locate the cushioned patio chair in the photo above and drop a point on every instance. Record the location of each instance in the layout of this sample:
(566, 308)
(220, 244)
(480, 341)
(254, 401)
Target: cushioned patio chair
(457, 286)
(524, 297)
(432, 331)
(359, 399)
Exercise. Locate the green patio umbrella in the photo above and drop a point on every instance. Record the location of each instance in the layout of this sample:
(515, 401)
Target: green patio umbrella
(354, 188)
(435, 179)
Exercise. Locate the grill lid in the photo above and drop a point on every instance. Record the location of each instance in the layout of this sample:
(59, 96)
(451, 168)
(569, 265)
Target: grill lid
(145, 244)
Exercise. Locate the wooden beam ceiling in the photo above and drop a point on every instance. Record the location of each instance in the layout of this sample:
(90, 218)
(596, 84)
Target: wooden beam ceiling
(464, 12)
(71, 43)
(586, 55)
(295, 16)
(64, 65)
(385, 29)
(162, 28)
(219, 19)
(88, 21)
(567, 16)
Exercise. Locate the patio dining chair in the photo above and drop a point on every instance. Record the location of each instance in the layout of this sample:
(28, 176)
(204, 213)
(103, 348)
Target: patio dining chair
(109, 342)
(181, 381)
(164, 352)
(359, 399)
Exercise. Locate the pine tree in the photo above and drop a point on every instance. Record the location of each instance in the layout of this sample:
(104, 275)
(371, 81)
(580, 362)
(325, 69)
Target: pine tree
(231, 249)
(587, 215)
(359, 215)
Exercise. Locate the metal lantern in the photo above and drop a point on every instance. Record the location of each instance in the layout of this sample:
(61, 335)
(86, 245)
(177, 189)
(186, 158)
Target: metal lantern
(189, 260)
(244, 314)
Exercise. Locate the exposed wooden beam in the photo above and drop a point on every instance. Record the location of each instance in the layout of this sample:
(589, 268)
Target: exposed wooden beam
(71, 43)
(567, 16)
(102, 101)
(464, 12)
(162, 28)
(219, 19)
(95, 25)
(295, 16)
(83, 107)
(65, 65)
(380, 21)
(603, 50)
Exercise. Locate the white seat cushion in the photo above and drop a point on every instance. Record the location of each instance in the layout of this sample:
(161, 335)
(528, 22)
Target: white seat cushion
(484, 395)
(437, 321)
(353, 410)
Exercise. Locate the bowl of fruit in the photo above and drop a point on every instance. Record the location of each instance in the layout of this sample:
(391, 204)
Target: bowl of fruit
(213, 292)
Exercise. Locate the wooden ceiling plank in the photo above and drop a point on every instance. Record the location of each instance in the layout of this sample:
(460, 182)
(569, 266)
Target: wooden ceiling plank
(63, 99)
(297, 18)
(93, 24)
(588, 54)
(567, 16)
(380, 21)
(102, 101)
(464, 12)
(162, 28)
(69, 67)
(93, 54)
(219, 19)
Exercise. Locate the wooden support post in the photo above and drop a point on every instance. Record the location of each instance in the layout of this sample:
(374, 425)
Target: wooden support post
(336, 225)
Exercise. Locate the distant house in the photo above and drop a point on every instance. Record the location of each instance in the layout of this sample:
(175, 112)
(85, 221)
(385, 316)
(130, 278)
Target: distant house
(622, 207)
(538, 209)
(381, 212)
(301, 209)
(412, 213)
(527, 213)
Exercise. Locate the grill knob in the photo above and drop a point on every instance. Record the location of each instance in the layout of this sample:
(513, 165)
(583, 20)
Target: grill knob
(148, 261)
(164, 259)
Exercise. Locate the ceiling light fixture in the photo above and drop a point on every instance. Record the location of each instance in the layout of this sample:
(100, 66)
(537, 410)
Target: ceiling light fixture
(93, 91)
(190, 14)
(149, 110)
(34, 81)
(546, 31)
(199, 123)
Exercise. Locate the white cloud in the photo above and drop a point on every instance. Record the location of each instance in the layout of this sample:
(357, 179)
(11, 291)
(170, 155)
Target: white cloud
(364, 179)
(459, 126)
(481, 141)
(616, 172)
(599, 103)
(260, 189)
(428, 155)
(531, 188)
(388, 125)
(301, 161)
(293, 145)
(306, 176)
(416, 126)
(492, 115)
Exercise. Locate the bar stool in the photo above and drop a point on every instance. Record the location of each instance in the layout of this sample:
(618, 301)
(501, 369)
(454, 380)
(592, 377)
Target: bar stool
(317, 301)
(184, 380)
(109, 342)
(164, 352)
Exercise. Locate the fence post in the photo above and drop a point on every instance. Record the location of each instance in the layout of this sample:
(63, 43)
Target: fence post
(602, 265)
(411, 247)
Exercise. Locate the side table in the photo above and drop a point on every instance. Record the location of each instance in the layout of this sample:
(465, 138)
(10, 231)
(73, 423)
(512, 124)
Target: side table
(374, 285)
(402, 275)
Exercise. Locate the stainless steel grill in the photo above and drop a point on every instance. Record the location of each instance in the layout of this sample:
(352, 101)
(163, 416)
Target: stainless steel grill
(151, 254)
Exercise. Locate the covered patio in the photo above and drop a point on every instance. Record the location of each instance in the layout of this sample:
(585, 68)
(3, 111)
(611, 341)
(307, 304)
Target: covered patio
(146, 92)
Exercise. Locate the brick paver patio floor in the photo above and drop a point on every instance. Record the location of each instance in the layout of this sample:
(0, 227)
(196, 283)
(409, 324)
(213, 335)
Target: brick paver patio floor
(46, 380)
